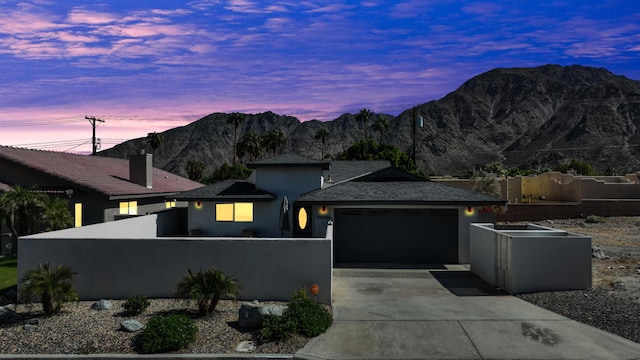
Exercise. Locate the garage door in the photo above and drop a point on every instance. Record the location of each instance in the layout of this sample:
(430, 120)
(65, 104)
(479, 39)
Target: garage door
(396, 236)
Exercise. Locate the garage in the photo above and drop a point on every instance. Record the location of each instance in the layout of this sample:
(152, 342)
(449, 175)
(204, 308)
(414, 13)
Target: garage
(395, 236)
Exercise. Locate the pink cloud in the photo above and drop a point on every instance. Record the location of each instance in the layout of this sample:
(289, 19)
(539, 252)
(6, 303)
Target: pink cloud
(79, 16)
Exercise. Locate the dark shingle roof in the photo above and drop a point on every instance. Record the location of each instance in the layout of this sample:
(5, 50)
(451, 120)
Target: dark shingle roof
(229, 190)
(289, 160)
(411, 192)
(342, 170)
(109, 176)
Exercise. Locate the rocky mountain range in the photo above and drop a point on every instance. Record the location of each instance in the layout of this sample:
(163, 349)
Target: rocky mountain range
(526, 117)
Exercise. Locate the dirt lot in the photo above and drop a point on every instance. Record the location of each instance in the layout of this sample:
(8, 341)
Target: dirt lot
(619, 238)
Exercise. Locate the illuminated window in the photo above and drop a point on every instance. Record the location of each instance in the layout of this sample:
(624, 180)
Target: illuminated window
(224, 212)
(169, 204)
(238, 212)
(302, 218)
(129, 208)
(78, 214)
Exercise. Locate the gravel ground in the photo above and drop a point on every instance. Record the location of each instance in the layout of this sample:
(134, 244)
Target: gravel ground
(613, 304)
(82, 330)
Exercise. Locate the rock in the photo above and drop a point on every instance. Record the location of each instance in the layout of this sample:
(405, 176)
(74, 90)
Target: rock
(30, 327)
(597, 253)
(131, 325)
(250, 314)
(6, 314)
(33, 321)
(102, 305)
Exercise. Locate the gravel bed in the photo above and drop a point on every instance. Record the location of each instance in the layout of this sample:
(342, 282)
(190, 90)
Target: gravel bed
(612, 312)
(82, 330)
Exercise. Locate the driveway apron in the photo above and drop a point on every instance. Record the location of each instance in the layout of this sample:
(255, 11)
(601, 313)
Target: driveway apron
(448, 313)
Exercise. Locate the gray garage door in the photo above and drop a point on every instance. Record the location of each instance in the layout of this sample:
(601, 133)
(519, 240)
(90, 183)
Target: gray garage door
(396, 236)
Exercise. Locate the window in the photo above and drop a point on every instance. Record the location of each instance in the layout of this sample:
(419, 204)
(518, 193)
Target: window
(78, 214)
(129, 208)
(169, 204)
(238, 212)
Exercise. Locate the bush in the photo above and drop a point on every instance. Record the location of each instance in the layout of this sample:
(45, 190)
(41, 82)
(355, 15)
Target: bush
(136, 305)
(303, 316)
(167, 333)
(207, 288)
(53, 286)
(592, 219)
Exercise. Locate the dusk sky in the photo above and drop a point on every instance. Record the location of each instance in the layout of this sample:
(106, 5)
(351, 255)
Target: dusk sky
(151, 65)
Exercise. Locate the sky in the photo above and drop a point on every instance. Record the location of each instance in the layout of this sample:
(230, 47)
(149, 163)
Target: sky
(151, 65)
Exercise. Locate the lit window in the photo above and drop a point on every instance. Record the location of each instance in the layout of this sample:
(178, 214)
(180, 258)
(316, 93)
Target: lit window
(238, 212)
(170, 204)
(243, 212)
(78, 214)
(129, 208)
(302, 218)
(224, 212)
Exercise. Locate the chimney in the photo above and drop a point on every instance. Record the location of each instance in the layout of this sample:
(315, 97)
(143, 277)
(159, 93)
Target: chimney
(140, 169)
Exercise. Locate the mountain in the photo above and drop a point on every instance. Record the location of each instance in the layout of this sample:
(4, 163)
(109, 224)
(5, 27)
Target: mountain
(527, 117)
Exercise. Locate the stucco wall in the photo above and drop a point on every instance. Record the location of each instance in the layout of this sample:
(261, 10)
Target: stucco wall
(118, 259)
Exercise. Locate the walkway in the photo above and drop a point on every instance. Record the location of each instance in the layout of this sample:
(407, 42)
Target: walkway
(449, 314)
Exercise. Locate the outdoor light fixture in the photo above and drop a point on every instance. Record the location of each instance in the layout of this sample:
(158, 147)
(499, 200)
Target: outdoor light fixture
(198, 204)
(323, 210)
(469, 211)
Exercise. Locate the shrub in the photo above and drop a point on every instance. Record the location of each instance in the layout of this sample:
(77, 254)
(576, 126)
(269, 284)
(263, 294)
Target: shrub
(167, 333)
(303, 316)
(53, 287)
(592, 219)
(136, 305)
(207, 288)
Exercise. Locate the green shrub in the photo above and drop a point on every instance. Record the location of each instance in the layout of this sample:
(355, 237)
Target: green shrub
(303, 316)
(592, 219)
(136, 305)
(167, 333)
(207, 287)
(53, 286)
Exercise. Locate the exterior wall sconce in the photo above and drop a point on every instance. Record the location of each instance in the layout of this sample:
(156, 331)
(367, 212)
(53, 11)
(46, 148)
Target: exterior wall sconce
(323, 210)
(469, 211)
(198, 204)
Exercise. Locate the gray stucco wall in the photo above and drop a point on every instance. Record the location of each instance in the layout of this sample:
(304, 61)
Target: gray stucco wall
(114, 265)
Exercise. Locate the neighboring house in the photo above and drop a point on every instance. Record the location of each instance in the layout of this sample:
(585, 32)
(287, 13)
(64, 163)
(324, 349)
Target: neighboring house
(381, 215)
(98, 188)
(7, 245)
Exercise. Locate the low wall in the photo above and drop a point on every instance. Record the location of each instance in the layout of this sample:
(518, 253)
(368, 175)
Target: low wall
(542, 211)
(115, 267)
(519, 262)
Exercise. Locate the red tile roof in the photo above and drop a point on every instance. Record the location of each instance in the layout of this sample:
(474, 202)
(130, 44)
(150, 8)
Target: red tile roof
(109, 176)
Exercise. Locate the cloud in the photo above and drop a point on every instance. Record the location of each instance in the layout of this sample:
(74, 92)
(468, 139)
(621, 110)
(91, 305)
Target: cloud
(80, 16)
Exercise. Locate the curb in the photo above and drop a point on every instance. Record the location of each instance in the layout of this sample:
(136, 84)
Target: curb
(146, 357)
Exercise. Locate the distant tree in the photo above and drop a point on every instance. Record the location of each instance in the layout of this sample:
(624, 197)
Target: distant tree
(370, 150)
(251, 145)
(56, 214)
(273, 141)
(196, 169)
(323, 135)
(364, 116)
(154, 140)
(226, 171)
(487, 183)
(235, 119)
(580, 166)
(381, 125)
(20, 209)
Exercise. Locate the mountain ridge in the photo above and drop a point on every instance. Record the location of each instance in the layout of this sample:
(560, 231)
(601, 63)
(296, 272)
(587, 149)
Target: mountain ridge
(527, 117)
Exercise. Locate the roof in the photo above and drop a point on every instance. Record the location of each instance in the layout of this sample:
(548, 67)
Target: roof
(227, 190)
(398, 192)
(109, 176)
(289, 160)
(342, 170)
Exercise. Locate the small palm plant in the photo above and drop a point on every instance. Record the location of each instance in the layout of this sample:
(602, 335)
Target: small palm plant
(207, 288)
(53, 287)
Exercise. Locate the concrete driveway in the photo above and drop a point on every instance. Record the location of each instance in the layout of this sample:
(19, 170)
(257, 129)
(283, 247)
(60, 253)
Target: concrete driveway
(449, 314)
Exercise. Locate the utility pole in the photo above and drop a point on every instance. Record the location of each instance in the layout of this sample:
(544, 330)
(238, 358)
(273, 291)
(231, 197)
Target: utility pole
(93, 120)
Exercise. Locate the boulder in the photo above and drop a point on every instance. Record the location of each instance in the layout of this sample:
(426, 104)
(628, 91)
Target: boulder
(597, 253)
(6, 314)
(131, 325)
(250, 314)
(102, 305)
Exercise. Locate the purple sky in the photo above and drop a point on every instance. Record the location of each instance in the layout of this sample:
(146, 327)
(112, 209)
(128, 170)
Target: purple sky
(150, 65)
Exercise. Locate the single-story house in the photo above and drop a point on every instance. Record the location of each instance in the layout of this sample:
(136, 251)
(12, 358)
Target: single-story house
(381, 215)
(98, 188)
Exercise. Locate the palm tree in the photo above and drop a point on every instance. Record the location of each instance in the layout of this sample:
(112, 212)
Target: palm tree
(381, 125)
(53, 287)
(323, 135)
(273, 140)
(235, 119)
(196, 169)
(56, 214)
(207, 288)
(364, 116)
(19, 208)
(154, 140)
(250, 145)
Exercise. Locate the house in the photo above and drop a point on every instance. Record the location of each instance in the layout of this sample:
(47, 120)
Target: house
(381, 215)
(98, 188)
